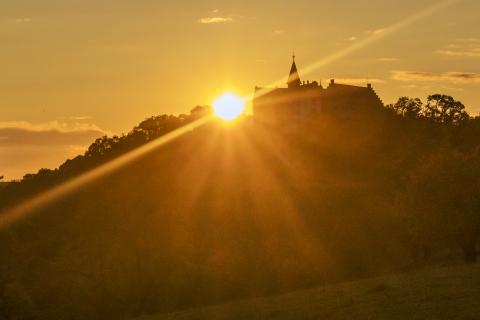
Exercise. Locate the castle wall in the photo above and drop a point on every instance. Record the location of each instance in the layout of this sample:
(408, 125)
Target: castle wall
(306, 102)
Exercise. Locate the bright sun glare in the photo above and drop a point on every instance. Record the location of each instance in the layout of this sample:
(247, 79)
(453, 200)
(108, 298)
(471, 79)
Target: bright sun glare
(228, 106)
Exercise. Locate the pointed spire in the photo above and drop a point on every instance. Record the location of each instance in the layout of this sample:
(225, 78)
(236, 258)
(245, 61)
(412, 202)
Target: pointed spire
(293, 78)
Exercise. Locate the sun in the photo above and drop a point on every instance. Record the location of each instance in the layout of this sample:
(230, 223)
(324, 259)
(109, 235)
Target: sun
(228, 106)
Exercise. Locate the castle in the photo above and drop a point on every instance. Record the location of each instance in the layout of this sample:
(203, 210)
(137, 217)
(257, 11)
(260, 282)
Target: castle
(304, 100)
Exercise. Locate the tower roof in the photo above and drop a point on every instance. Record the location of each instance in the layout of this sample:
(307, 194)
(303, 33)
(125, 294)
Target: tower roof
(293, 77)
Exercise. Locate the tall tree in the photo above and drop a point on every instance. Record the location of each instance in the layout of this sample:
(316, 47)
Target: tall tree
(445, 109)
(407, 107)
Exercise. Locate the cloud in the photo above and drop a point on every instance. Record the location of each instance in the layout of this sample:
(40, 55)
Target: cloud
(453, 88)
(215, 20)
(358, 81)
(23, 20)
(80, 118)
(277, 32)
(388, 59)
(463, 47)
(375, 32)
(16, 133)
(48, 126)
(367, 33)
(26, 147)
(464, 77)
(474, 52)
(468, 40)
(378, 31)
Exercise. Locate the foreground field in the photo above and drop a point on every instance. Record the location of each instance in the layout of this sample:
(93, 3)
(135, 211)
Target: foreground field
(434, 293)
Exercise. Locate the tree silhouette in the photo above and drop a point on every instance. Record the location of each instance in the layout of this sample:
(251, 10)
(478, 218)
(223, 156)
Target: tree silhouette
(100, 151)
(407, 107)
(445, 109)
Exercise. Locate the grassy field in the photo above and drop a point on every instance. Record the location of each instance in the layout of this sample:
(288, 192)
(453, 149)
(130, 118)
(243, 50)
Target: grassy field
(433, 293)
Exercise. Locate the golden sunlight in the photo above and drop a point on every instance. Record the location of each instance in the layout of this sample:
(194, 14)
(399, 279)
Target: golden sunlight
(229, 106)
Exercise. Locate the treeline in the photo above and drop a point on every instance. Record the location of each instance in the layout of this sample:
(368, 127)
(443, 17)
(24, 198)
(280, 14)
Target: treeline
(441, 196)
(100, 151)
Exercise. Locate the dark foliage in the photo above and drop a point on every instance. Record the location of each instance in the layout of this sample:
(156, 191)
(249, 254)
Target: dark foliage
(245, 210)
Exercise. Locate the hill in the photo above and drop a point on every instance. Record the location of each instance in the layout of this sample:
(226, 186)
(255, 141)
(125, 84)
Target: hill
(228, 212)
(433, 293)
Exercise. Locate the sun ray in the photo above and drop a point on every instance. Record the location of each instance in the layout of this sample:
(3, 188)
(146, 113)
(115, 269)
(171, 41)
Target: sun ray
(374, 37)
(11, 215)
(37, 202)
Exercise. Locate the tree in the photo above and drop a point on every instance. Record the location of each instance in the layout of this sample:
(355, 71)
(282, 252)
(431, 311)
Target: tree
(443, 202)
(200, 111)
(407, 107)
(445, 109)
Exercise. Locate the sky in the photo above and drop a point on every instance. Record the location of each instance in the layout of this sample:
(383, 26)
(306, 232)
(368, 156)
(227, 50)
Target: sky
(73, 70)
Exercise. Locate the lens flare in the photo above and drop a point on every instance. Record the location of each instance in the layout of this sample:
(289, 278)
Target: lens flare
(40, 201)
(228, 106)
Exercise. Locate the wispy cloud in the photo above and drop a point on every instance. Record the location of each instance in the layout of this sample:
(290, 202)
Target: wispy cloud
(358, 81)
(15, 133)
(23, 20)
(277, 32)
(388, 59)
(375, 31)
(215, 20)
(474, 52)
(453, 76)
(367, 33)
(463, 47)
(468, 40)
(26, 147)
(80, 118)
(52, 125)
(453, 88)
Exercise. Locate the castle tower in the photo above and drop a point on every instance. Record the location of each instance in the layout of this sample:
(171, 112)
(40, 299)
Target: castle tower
(293, 77)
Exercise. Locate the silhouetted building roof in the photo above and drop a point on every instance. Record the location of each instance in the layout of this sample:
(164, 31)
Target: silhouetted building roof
(305, 99)
(293, 77)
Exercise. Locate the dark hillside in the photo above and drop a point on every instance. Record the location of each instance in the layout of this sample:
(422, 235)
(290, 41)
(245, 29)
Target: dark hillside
(223, 212)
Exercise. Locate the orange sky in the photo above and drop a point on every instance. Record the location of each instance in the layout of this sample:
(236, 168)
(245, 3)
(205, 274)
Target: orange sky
(76, 69)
